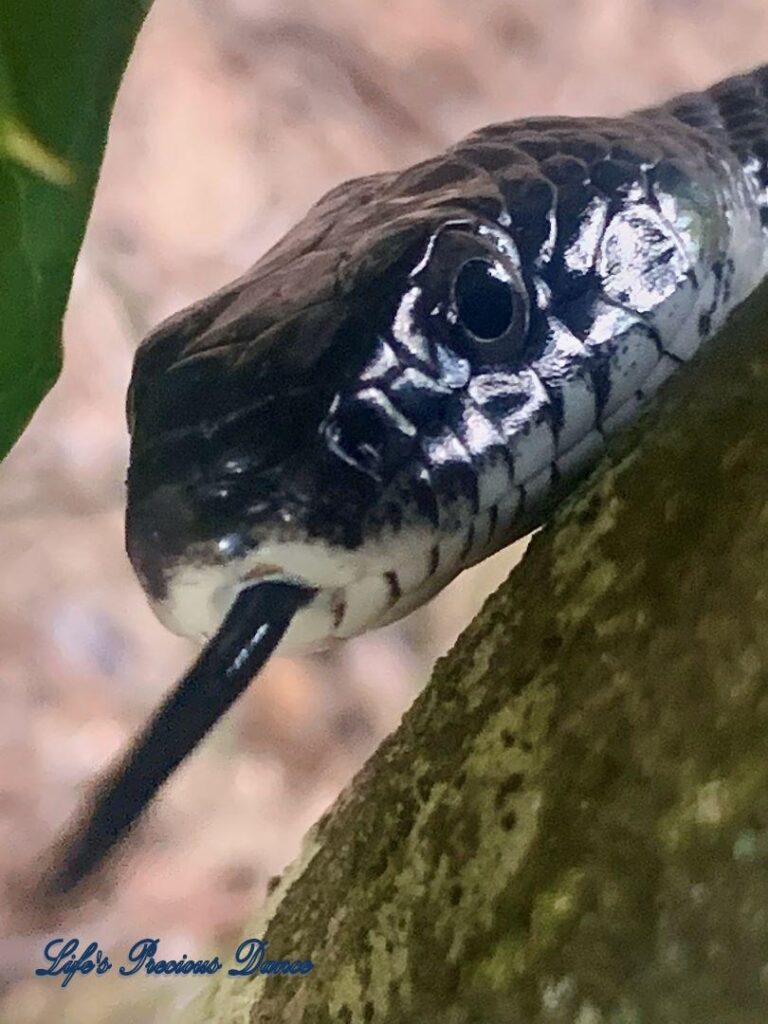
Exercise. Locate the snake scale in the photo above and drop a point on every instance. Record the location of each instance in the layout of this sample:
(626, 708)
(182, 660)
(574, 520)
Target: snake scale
(414, 377)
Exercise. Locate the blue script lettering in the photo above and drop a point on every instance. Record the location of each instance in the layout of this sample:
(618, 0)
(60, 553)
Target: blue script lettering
(63, 960)
(142, 957)
(250, 955)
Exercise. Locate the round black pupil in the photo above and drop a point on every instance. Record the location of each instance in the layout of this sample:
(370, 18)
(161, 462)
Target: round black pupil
(483, 301)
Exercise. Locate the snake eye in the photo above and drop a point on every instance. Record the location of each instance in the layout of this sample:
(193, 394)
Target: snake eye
(485, 299)
(467, 291)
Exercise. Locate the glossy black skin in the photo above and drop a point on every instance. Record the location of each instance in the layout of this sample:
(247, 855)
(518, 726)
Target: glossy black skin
(228, 396)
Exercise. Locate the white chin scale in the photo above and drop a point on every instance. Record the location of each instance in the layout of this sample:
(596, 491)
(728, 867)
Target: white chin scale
(357, 590)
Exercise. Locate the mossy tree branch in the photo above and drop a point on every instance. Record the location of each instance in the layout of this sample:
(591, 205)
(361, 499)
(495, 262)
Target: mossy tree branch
(571, 824)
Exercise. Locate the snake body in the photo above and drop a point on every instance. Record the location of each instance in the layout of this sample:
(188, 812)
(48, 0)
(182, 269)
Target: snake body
(413, 376)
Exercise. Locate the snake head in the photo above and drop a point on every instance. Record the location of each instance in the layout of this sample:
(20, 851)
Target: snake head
(402, 385)
(278, 426)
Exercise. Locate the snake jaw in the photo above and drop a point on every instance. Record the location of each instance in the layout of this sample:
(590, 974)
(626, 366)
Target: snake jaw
(352, 590)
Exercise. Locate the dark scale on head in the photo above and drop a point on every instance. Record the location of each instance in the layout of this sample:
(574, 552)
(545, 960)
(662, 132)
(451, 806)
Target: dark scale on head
(393, 585)
(469, 541)
(434, 560)
(531, 203)
(493, 521)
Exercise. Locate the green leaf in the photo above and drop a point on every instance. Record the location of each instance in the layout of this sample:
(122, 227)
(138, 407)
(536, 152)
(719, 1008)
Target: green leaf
(60, 67)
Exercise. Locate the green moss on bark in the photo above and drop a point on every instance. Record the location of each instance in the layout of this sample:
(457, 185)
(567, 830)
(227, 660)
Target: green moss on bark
(571, 824)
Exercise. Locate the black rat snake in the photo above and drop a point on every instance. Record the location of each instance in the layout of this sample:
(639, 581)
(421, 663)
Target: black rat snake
(411, 379)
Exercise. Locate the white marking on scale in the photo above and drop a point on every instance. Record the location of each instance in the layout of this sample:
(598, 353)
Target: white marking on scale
(633, 359)
(373, 396)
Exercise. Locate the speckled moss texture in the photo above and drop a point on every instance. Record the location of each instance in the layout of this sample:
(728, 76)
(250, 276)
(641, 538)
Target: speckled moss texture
(571, 824)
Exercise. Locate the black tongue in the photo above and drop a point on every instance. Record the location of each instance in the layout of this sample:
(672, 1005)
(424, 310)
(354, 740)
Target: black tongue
(248, 635)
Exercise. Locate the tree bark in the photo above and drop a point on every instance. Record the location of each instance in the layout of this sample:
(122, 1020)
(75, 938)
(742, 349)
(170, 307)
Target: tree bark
(571, 824)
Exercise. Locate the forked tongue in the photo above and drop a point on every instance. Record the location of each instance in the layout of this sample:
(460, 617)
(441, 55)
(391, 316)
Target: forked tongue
(253, 627)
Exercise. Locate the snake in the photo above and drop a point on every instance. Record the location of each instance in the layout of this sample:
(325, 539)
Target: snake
(416, 375)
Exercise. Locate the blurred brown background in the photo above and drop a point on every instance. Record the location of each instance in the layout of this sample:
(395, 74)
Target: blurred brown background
(235, 115)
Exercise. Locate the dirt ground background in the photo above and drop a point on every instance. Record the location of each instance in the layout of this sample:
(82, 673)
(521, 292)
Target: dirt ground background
(235, 115)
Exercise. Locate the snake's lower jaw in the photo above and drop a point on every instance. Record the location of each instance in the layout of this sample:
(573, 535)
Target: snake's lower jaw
(354, 590)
